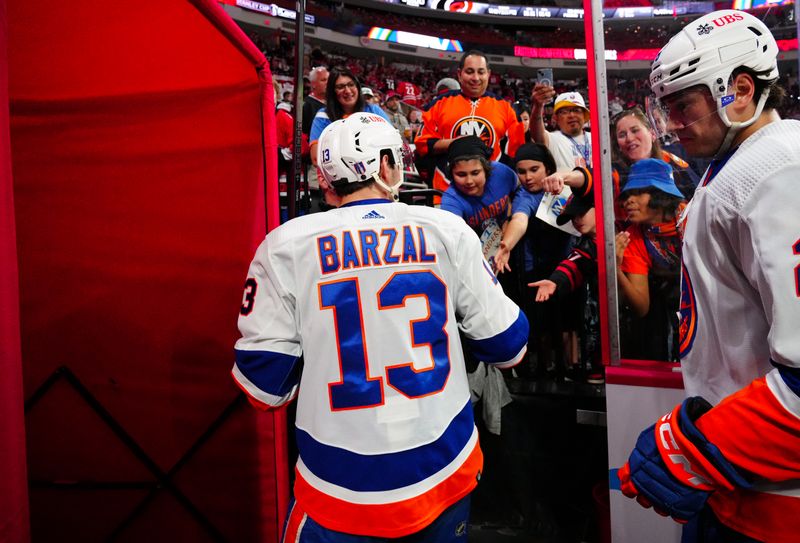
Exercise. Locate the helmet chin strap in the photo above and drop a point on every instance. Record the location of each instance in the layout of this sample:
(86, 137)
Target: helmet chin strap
(735, 127)
(394, 191)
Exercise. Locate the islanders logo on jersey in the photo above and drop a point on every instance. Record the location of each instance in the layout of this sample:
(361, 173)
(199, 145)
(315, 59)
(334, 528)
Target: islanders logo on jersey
(475, 126)
(688, 314)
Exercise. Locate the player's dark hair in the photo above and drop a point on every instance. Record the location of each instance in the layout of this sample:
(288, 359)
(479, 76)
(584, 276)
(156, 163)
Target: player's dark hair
(777, 94)
(344, 188)
(485, 164)
(332, 106)
(471, 53)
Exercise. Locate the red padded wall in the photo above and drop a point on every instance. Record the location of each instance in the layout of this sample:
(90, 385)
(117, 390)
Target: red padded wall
(14, 497)
(142, 143)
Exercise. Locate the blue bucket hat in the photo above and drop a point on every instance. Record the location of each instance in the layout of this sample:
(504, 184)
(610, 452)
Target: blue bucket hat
(651, 173)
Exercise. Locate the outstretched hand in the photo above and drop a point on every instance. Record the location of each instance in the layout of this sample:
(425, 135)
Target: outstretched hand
(546, 289)
(500, 261)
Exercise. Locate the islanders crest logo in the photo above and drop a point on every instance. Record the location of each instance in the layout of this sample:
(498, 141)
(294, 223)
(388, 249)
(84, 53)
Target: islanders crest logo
(475, 126)
(687, 314)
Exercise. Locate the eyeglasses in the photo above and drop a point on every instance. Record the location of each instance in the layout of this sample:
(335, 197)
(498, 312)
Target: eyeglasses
(568, 110)
(342, 86)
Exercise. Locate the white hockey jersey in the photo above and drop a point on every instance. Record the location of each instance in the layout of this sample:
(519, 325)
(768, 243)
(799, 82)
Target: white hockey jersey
(373, 296)
(740, 322)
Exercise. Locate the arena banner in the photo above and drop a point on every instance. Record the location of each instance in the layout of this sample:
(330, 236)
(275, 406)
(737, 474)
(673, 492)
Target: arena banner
(629, 11)
(145, 175)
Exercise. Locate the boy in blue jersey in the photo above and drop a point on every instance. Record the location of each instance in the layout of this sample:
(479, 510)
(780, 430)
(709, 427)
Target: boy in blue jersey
(481, 191)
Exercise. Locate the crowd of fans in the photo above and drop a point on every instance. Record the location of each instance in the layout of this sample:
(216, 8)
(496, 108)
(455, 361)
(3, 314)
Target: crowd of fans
(648, 285)
(524, 183)
(501, 38)
(402, 92)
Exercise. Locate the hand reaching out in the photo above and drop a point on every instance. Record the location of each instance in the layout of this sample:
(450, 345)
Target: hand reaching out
(546, 289)
(500, 261)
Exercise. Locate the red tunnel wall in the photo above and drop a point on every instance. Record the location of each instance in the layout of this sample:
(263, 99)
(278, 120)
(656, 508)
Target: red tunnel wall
(141, 144)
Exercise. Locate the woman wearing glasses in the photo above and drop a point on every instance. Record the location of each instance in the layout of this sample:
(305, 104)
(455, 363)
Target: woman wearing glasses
(343, 98)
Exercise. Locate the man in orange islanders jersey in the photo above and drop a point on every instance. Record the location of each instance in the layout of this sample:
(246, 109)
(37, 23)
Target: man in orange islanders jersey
(470, 111)
(373, 295)
(727, 459)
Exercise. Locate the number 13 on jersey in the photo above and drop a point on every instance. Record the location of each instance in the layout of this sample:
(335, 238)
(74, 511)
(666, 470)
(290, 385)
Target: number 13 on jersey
(356, 388)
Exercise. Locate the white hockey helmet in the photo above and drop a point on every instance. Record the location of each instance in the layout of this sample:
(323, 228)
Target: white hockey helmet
(349, 150)
(708, 50)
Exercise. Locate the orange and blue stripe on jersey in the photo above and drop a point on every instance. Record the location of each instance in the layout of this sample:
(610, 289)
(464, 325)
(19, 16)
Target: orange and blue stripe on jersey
(501, 350)
(758, 430)
(268, 379)
(391, 494)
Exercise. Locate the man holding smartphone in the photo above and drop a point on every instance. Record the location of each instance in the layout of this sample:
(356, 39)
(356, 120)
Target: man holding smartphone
(570, 145)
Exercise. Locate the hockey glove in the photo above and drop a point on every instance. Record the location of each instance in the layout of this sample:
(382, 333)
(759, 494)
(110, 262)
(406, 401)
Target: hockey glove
(674, 468)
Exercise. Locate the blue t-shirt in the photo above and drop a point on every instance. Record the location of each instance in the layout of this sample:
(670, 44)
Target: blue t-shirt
(321, 120)
(491, 207)
(527, 203)
(544, 246)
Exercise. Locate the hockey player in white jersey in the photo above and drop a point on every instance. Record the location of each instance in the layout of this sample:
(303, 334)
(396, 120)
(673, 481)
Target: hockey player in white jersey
(373, 295)
(727, 460)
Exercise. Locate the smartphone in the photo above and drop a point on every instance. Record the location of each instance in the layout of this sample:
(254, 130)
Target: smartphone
(545, 76)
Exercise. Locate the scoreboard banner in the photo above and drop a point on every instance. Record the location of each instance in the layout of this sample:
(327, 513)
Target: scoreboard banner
(667, 9)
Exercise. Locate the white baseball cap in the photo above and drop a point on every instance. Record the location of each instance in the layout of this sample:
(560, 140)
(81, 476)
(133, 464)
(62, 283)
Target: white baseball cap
(571, 99)
(366, 91)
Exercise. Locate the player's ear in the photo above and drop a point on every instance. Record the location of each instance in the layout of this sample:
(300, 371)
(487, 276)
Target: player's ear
(743, 87)
(385, 167)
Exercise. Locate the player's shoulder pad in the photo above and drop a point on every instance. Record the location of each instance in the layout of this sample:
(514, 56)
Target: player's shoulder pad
(297, 227)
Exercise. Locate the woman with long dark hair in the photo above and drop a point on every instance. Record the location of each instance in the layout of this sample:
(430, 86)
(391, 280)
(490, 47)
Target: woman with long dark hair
(343, 98)
(634, 139)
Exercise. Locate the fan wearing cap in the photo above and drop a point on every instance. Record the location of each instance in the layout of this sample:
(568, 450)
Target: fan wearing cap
(344, 96)
(391, 106)
(369, 95)
(447, 84)
(649, 250)
(570, 144)
(481, 192)
(731, 463)
(469, 111)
